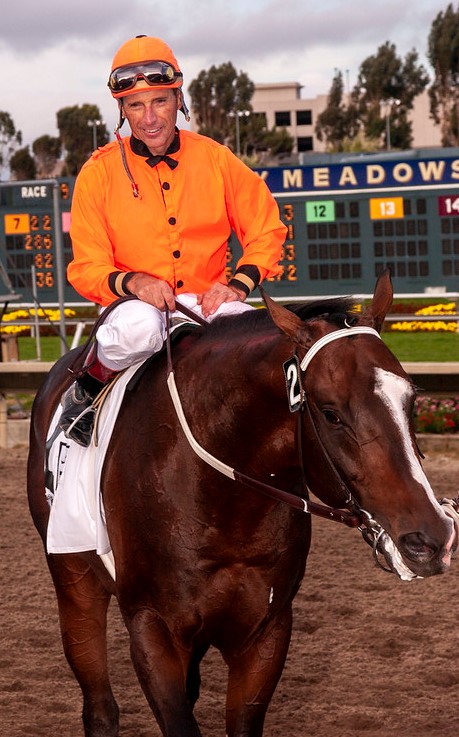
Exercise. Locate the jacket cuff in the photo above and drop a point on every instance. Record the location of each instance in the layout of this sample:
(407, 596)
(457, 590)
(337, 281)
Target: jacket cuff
(246, 278)
(117, 283)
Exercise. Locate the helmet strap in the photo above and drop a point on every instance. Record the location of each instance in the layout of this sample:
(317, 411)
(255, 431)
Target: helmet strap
(183, 107)
(122, 116)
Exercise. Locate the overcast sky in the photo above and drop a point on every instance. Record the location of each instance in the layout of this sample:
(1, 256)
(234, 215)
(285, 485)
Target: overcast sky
(56, 54)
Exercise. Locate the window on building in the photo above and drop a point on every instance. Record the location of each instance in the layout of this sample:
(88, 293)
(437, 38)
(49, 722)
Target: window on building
(305, 143)
(261, 117)
(304, 117)
(282, 118)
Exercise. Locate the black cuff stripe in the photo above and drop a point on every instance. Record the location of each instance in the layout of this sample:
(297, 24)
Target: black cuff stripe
(246, 278)
(125, 281)
(117, 283)
(250, 271)
(234, 282)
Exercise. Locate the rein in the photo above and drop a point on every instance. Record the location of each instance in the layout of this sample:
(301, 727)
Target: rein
(351, 519)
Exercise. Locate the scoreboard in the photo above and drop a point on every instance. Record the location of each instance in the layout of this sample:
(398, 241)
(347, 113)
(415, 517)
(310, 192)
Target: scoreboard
(34, 238)
(347, 218)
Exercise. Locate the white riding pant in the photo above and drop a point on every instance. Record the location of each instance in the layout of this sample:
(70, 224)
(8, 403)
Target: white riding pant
(134, 330)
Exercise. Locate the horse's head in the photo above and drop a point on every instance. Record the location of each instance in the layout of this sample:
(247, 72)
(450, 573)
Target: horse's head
(357, 406)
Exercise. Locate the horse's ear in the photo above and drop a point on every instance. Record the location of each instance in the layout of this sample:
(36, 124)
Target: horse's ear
(382, 300)
(287, 321)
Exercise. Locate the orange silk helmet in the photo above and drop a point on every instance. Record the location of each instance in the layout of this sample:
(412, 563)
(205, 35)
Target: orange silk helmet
(144, 62)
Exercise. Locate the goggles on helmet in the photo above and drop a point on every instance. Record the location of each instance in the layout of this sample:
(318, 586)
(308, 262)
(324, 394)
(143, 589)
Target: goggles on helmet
(155, 73)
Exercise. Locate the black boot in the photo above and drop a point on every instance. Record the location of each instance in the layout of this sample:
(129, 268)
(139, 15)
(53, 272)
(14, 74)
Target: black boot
(78, 413)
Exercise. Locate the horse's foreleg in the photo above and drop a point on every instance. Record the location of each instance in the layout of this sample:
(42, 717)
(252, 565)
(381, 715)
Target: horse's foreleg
(253, 677)
(83, 603)
(163, 672)
(193, 681)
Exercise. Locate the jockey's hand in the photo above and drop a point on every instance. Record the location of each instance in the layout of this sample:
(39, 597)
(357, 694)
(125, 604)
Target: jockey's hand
(216, 295)
(152, 290)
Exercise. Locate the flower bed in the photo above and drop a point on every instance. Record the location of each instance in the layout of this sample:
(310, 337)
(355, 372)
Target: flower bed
(436, 310)
(412, 326)
(436, 415)
(47, 317)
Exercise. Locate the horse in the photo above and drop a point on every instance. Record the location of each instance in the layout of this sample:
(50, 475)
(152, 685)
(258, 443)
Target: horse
(300, 399)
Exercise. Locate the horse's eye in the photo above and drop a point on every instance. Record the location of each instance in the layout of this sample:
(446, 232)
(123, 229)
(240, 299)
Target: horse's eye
(331, 417)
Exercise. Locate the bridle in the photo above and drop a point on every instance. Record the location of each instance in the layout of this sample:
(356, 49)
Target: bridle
(354, 515)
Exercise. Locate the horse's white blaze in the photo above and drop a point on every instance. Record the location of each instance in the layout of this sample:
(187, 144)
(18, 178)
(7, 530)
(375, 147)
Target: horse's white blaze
(393, 390)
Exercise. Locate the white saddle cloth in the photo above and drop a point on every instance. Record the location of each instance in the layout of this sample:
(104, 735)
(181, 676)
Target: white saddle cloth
(77, 519)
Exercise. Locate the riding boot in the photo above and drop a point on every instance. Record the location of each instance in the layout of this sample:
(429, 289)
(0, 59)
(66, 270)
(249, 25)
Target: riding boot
(78, 413)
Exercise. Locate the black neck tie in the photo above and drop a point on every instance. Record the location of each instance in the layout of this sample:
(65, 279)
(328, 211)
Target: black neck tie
(141, 149)
(153, 160)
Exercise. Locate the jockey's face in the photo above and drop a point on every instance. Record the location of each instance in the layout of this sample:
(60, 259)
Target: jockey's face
(152, 115)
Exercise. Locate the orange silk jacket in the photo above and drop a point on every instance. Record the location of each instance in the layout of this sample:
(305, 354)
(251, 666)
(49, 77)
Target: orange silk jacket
(178, 229)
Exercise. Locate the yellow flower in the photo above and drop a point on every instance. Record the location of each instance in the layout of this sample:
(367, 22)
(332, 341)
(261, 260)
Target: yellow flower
(448, 308)
(439, 326)
(14, 329)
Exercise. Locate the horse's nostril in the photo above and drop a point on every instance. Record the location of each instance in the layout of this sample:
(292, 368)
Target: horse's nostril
(416, 545)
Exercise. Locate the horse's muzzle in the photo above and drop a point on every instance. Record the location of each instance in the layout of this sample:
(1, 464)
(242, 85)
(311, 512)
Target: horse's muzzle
(416, 555)
(423, 551)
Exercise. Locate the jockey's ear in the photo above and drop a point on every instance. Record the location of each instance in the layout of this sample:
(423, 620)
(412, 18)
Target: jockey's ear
(382, 300)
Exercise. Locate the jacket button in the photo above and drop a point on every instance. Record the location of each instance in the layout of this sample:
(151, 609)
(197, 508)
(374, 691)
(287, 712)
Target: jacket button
(176, 254)
(172, 221)
(180, 284)
(166, 185)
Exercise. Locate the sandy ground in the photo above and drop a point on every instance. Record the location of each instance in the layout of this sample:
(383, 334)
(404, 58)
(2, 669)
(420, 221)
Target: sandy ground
(371, 656)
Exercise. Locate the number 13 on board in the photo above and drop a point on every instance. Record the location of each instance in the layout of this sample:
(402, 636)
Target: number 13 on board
(386, 208)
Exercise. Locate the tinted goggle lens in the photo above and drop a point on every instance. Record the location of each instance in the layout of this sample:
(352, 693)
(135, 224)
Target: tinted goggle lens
(154, 73)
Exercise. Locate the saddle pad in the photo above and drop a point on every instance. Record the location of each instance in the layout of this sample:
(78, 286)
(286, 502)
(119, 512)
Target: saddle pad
(77, 519)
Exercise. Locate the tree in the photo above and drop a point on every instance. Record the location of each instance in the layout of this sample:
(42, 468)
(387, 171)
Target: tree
(47, 151)
(443, 54)
(22, 165)
(336, 122)
(10, 139)
(77, 136)
(216, 96)
(277, 141)
(384, 93)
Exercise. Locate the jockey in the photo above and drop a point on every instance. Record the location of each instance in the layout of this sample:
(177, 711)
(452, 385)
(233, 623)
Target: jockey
(151, 217)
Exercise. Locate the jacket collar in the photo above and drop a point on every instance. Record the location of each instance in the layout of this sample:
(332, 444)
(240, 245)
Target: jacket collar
(140, 148)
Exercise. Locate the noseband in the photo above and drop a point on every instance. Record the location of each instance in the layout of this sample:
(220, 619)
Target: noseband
(354, 515)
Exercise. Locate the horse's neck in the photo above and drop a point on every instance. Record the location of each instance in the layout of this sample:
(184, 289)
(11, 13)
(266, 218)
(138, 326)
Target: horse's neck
(235, 397)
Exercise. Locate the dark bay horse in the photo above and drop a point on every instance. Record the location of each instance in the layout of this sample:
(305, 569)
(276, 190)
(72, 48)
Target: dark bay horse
(202, 558)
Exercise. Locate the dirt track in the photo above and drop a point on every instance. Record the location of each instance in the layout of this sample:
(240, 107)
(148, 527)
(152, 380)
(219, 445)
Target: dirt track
(370, 656)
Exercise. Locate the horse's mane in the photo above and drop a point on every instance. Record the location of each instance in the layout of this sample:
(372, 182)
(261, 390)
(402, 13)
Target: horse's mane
(334, 310)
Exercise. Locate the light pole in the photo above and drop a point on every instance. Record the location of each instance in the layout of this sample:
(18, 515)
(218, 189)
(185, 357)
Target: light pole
(388, 105)
(94, 124)
(239, 114)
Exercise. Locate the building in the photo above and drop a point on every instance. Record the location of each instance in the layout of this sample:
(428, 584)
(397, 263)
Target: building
(283, 106)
